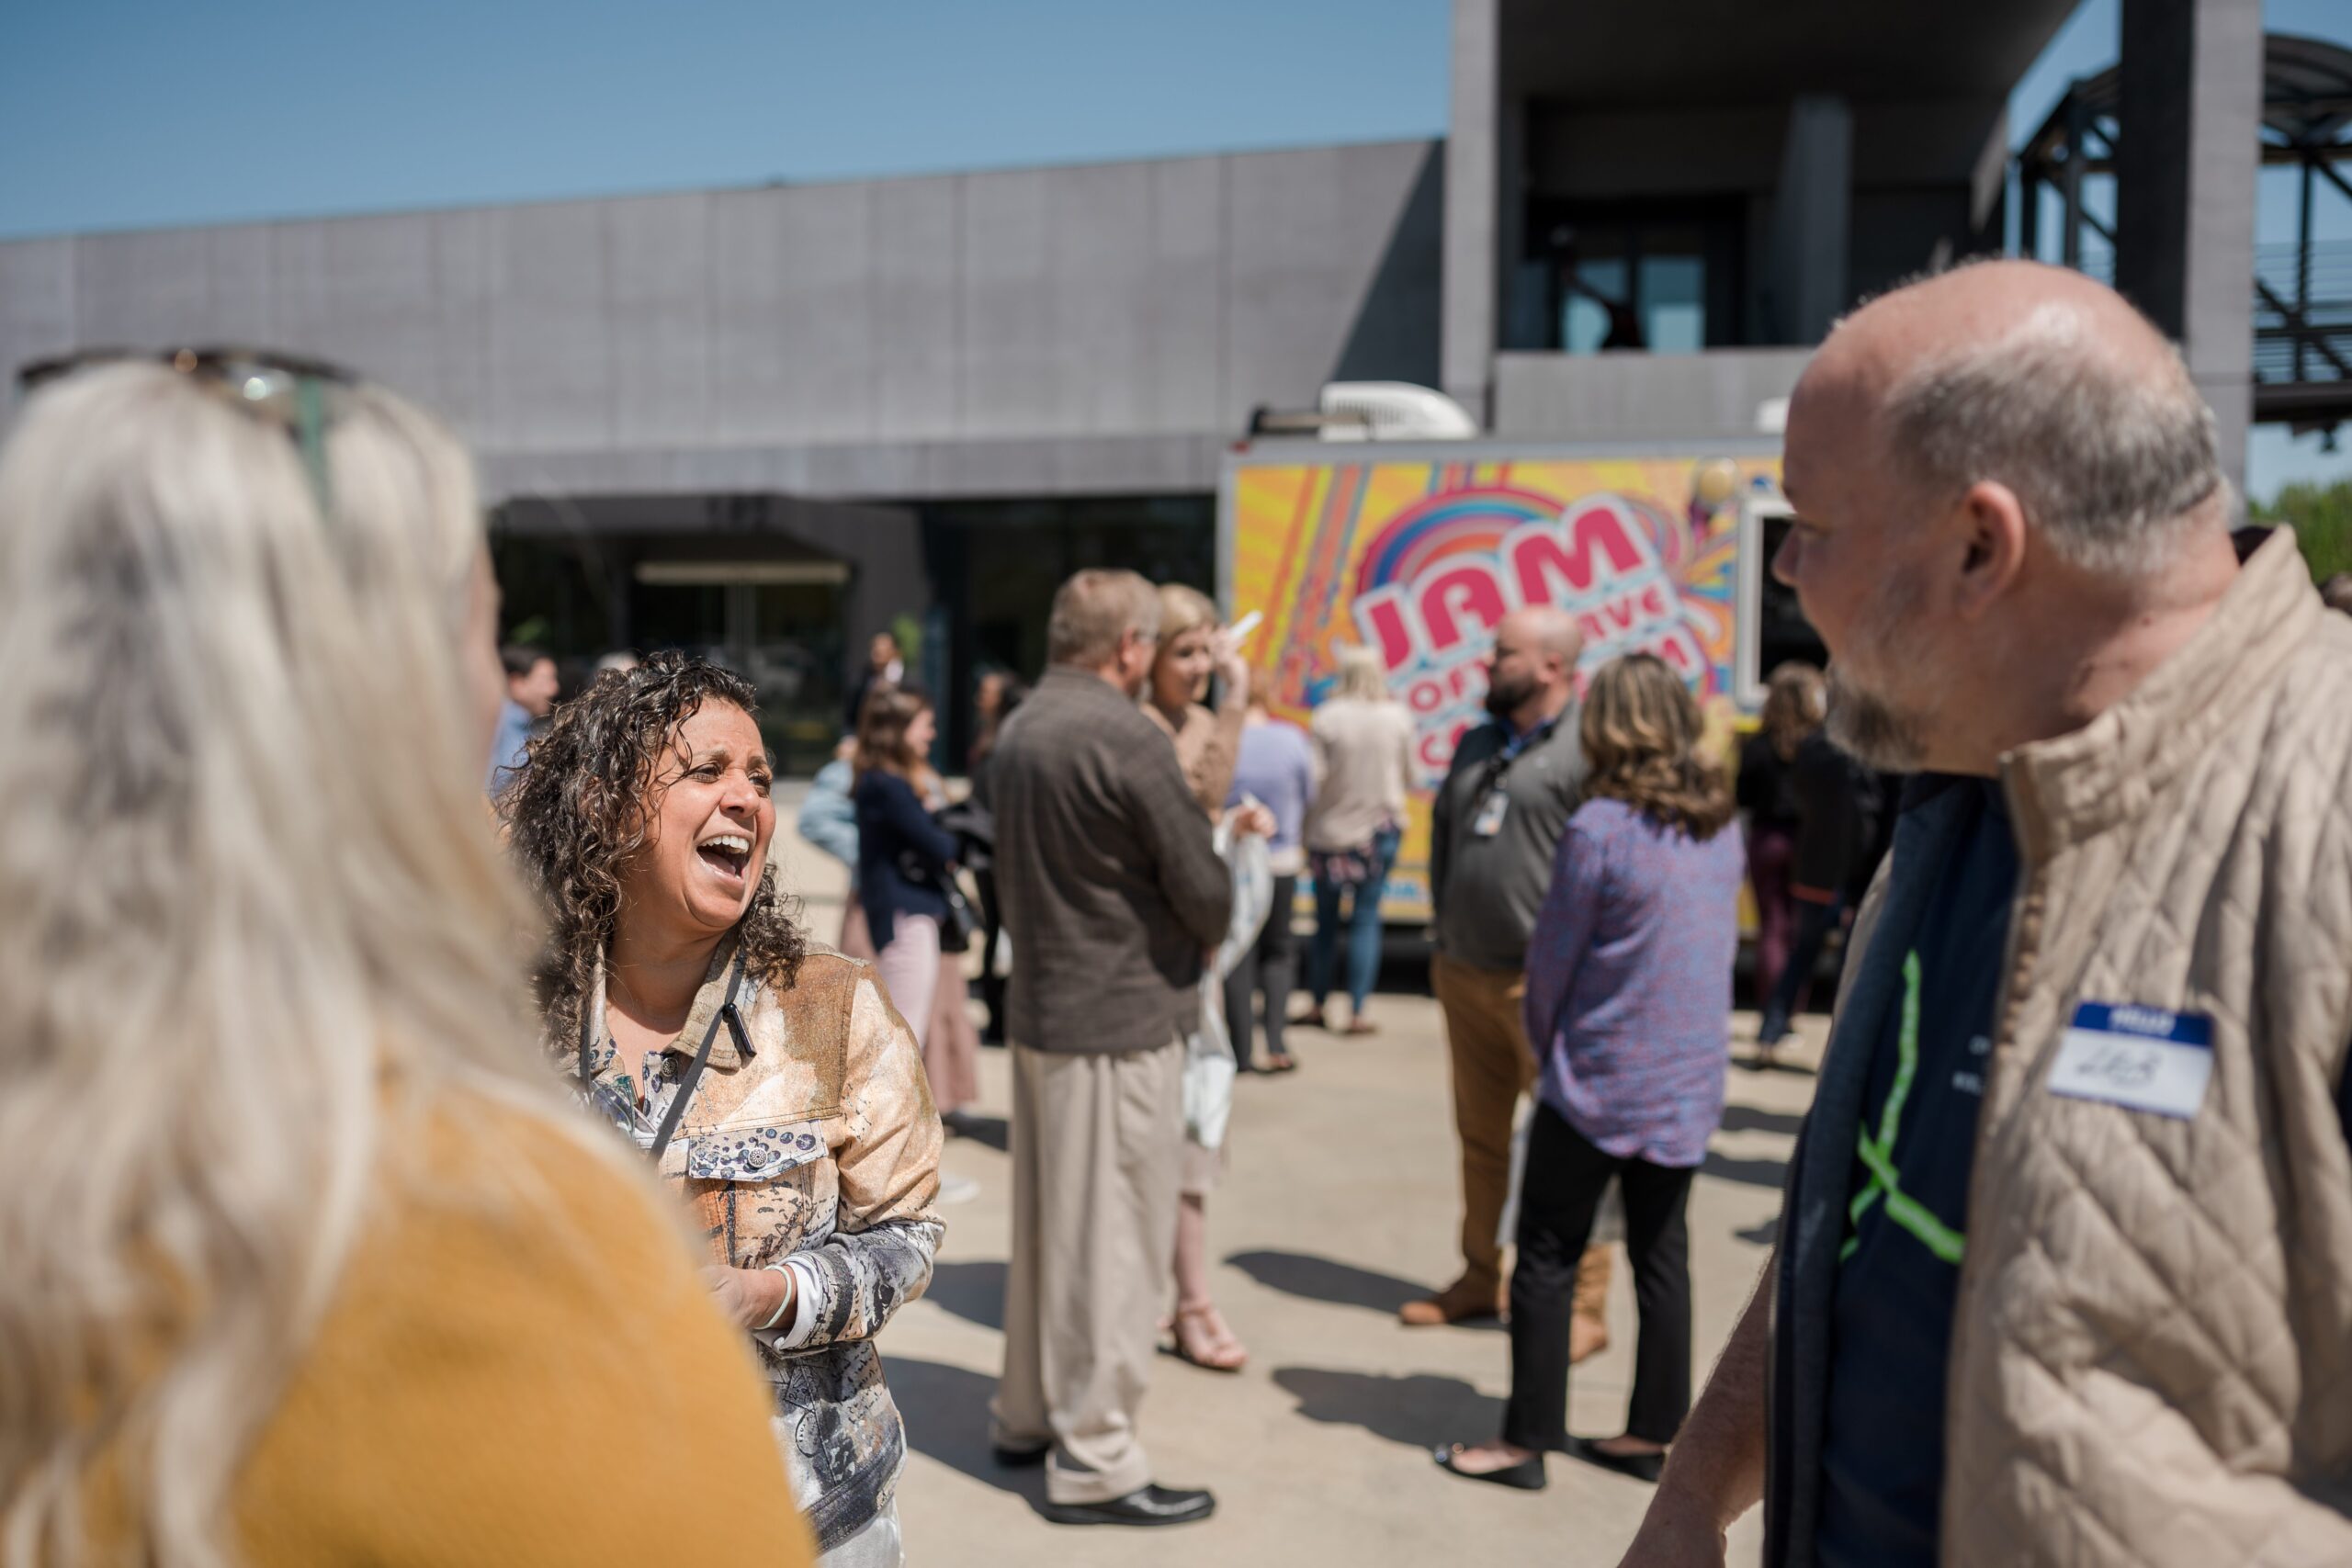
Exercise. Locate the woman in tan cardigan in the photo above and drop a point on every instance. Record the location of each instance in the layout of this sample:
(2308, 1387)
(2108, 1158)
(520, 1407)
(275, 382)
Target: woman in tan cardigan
(1193, 647)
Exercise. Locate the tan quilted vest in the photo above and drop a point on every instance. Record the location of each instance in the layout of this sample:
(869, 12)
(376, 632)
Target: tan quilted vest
(2152, 1355)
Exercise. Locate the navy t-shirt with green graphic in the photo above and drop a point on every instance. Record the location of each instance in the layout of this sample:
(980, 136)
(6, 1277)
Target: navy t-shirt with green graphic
(1882, 1451)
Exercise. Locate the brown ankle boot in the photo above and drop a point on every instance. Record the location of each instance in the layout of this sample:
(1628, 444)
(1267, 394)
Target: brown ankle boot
(1460, 1301)
(1588, 1314)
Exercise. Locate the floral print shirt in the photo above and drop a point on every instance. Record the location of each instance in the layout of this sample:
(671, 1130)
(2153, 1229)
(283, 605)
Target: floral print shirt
(818, 1150)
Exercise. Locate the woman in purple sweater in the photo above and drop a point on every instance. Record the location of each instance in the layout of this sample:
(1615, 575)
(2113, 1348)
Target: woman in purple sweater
(1628, 1004)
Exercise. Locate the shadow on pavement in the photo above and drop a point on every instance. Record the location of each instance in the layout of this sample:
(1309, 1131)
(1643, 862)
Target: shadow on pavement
(1763, 1234)
(1753, 1119)
(990, 1132)
(973, 1291)
(1772, 1173)
(946, 1413)
(1343, 1284)
(1418, 1409)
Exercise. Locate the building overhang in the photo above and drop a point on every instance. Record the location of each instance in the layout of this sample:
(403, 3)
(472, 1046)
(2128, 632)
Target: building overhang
(1711, 53)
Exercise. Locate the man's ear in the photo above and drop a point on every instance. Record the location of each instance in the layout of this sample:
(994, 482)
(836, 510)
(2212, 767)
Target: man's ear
(1992, 546)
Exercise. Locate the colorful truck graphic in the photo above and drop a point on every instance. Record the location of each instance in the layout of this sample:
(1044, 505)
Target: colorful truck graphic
(1417, 553)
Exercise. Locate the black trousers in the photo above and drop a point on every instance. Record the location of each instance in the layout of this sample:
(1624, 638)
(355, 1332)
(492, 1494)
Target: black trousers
(1271, 965)
(1815, 922)
(1566, 1178)
(991, 927)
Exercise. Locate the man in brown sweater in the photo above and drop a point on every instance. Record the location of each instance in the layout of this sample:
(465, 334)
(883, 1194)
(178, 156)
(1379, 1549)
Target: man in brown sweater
(1113, 893)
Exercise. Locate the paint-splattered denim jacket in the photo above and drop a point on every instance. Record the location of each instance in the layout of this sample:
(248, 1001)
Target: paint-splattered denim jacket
(818, 1149)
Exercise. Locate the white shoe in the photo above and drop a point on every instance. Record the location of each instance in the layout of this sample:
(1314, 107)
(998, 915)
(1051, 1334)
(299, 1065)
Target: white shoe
(957, 1189)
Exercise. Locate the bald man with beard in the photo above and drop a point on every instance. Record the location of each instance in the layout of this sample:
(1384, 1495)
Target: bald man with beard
(2064, 1271)
(1497, 821)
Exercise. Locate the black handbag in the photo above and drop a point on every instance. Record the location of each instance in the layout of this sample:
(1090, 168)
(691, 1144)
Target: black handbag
(955, 932)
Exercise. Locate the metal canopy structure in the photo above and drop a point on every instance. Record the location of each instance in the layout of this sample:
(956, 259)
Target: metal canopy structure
(2302, 305)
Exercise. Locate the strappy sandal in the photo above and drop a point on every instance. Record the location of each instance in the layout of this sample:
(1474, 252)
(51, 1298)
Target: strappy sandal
(1221, 1352)
(1282, 1062)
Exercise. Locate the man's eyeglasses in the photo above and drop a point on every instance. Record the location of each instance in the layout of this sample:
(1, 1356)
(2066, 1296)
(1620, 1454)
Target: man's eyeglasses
(288, 391)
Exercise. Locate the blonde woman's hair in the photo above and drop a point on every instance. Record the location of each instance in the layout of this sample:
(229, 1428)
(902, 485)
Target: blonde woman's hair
(1182, 609)
(252, 911)
(1362, 675)
(1641, 729)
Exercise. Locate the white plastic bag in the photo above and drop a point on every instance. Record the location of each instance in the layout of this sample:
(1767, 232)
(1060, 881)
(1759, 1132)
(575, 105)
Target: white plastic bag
(1209, 1069)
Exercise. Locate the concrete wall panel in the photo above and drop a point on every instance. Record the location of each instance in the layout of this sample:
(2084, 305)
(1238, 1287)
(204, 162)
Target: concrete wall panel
(1183, 303)
(550, 338)
(917, 257)
(1009, 360)
(380, 291)
(1292, 285)
(747, 286)
(659, 252)
(36, 307)
(141, 290)
(966, 328)
(465, 263)
(1633, 398)
(240, 308)
(301, 310)
(825, 316)
(1102, 242)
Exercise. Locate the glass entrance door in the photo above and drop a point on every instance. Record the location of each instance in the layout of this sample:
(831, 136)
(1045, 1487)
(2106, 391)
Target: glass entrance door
(778, 624)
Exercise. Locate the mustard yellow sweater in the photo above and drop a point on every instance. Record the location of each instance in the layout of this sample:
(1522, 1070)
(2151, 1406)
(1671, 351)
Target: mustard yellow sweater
(522, 1367)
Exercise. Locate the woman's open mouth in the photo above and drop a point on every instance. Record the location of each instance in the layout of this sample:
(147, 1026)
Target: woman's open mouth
(730, 855)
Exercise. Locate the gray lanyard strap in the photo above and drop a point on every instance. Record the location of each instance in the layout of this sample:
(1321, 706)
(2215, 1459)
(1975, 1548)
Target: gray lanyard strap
(726, 1014)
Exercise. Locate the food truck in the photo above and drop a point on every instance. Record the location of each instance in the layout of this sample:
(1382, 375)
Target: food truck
(1417, 551)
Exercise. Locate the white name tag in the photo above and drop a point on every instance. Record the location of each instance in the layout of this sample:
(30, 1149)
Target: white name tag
(2140, 1059)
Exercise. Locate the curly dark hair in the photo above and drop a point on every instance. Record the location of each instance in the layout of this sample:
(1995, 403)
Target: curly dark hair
(579, 807)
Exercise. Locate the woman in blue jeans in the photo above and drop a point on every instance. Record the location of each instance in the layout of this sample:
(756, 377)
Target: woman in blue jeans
(1363, 756)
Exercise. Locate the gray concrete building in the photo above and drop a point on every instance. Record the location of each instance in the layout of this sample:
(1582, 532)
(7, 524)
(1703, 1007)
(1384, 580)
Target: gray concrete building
(770, 422)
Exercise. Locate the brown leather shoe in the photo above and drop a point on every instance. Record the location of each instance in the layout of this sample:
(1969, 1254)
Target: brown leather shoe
(1459, 1302)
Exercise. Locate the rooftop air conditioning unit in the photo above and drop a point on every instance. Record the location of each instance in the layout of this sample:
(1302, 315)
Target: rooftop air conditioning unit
(1391, 410)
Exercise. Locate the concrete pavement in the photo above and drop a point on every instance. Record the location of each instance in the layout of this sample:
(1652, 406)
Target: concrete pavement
(1339, 1205)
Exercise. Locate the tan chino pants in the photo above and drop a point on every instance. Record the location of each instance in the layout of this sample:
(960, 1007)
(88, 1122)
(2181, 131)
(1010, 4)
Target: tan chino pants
(1493, 1066)
(1096, 1147)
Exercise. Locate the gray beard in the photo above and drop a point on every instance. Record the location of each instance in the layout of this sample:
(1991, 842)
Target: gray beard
(1873, 731)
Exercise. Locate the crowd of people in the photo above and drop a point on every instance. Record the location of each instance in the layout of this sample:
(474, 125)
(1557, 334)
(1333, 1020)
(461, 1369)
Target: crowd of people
(353, 1125)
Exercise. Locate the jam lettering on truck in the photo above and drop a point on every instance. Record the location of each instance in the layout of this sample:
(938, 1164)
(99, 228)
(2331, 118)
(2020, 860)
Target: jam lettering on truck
(1418, 553)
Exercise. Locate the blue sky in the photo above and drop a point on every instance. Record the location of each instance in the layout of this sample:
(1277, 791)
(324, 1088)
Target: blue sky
(123, 114)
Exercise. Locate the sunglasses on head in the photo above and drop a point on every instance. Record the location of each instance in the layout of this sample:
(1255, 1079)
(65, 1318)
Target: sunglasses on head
(285, 389)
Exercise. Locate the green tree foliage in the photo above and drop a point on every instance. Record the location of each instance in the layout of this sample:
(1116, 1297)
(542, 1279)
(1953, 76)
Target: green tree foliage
(2321, 516)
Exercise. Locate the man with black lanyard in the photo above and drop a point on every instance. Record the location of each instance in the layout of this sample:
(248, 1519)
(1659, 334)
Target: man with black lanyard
(1493, 830)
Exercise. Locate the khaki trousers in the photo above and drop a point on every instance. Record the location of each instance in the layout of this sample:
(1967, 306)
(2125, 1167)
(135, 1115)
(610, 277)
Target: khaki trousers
(1493, 1066)
(1096, 1147)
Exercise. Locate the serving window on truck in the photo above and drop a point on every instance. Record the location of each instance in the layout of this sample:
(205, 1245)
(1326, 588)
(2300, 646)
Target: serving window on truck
(1418, 556)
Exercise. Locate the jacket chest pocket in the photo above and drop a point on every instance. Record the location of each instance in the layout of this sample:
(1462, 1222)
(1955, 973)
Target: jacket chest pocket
(748, 1151)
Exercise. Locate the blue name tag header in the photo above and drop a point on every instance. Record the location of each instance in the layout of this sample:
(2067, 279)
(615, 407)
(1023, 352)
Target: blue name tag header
(2191, 1029)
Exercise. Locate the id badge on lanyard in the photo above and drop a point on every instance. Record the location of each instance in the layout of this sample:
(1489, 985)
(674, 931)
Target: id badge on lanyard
(1491, 811)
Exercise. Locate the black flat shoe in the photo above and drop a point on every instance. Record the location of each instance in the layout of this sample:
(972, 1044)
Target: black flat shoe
(1150, 1505)
(1527, 1475)
(1018, 1459)
(1640, 1467)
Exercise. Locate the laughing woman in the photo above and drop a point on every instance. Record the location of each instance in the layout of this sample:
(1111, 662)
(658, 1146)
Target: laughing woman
(775, 1088)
